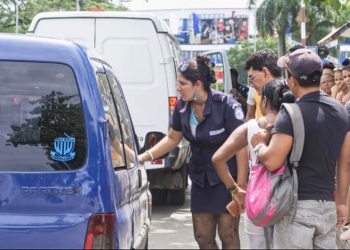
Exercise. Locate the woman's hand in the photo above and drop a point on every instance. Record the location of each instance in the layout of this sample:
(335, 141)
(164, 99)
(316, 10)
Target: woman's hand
(341, 215)
(142, 158)
(262, 136)
(239, 198)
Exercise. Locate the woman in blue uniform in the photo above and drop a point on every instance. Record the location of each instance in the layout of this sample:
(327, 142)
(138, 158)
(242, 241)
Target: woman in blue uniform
(206, 118)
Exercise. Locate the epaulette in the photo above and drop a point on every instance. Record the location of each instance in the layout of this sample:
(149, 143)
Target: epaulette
(218, 96)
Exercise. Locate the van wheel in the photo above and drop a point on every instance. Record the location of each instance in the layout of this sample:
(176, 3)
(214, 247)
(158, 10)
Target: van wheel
(177, 197)
(159, 196)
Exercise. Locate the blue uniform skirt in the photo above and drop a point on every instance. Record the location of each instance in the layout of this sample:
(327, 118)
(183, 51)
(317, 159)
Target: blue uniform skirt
(209, 199)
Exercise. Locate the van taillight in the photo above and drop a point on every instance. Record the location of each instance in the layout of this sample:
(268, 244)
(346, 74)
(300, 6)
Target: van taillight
(100, 233)
(172, 104)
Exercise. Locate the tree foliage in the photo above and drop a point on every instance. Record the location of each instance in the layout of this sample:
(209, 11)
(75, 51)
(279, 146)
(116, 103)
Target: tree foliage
(280, 15)
(52, 116)
(27, 9)
(237, 55)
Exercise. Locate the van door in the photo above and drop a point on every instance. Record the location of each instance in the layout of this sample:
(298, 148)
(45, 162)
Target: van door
(137, 173)
(222, 70)
(43, 157)
(137, 59)
(121, 186)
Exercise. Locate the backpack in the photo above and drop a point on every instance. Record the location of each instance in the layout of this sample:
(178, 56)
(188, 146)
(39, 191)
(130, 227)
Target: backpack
(271, 195)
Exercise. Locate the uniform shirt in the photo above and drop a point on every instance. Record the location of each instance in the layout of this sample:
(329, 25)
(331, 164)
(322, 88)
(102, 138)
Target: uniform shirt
(326, 124)
(222, 114)
(254, 99)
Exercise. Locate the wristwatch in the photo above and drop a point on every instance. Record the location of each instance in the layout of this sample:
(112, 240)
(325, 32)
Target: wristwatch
(233, 190)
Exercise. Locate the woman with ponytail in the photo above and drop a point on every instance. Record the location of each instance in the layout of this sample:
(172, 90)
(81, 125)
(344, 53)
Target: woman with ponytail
(274, 93)
(206, 118)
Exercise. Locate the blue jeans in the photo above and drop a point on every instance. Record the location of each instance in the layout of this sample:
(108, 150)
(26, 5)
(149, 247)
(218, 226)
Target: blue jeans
(313, 227)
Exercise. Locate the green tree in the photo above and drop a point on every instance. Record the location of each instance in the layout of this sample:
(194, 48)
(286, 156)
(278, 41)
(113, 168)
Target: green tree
(274, 15)
(27, 9)
(237, 55)
(321, 16)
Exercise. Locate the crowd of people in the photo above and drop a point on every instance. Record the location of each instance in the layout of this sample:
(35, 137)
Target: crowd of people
(226, 139)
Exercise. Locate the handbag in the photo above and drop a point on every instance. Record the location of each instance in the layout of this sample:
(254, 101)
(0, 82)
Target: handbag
(271, 195)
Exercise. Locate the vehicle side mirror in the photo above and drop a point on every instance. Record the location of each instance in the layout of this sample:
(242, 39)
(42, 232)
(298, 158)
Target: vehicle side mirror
(151, 139)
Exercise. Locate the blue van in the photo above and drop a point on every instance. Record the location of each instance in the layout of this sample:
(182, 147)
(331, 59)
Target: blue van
(69, 177)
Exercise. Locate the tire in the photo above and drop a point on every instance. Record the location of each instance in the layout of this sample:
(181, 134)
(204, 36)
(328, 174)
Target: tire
(159, 196)
(177, 197)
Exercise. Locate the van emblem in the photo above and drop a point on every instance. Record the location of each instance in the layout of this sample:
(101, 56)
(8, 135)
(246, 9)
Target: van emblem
(64, 148)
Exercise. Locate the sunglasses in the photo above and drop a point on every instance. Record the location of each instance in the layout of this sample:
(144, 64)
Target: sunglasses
(184, 67)
(251, 78)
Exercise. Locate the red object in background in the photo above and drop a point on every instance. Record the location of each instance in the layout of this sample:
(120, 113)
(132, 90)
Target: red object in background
(95, 9)
(219, 74)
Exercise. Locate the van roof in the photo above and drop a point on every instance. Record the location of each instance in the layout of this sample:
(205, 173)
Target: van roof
(34, 48)
(159, 24)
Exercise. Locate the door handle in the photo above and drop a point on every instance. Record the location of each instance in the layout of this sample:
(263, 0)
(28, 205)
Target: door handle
(140, 178)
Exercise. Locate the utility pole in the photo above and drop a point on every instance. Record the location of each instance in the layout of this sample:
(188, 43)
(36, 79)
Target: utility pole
(16, 7)
(77, 5)
(303, 24)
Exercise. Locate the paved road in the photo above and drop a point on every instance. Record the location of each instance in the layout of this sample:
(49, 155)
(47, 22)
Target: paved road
(171, 227)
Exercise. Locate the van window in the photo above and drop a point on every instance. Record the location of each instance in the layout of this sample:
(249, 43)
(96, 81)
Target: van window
(42, 125)
(125, 121)
(121, 153)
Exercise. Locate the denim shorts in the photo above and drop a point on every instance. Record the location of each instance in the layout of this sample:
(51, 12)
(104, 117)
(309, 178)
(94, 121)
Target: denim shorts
(313, 227)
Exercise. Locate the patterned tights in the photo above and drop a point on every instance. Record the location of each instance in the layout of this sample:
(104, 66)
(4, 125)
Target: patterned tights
(204, 227)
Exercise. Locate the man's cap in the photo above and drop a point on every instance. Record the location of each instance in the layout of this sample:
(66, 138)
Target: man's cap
(301, 63)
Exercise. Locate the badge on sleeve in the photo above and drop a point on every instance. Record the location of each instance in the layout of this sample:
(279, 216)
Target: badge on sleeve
(239, 114)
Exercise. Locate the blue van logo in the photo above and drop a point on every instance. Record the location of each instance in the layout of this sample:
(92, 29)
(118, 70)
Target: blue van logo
(64, 148)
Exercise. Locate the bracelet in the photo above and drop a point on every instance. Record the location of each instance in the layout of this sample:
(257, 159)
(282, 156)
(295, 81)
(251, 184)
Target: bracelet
(150, 155)
(233, 190)
(257, 147)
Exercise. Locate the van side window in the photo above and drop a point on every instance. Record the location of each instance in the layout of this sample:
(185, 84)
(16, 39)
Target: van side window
(115, 136)
(125, 120)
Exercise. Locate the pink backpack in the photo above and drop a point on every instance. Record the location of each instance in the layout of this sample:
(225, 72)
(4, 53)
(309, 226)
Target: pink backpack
(271, 195)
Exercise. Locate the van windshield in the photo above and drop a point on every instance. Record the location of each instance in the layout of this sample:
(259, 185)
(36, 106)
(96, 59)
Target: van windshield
(41, 118)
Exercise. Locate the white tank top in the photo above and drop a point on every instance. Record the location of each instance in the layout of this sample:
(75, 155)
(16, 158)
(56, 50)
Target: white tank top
(252, 127)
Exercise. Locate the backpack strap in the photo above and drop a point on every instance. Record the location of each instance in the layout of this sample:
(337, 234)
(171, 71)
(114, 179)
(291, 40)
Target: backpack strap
(298, 146)
(298, 131)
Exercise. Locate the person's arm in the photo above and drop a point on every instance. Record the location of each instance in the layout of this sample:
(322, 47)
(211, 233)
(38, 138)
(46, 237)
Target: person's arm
(234, 143)
(275, 154)
(169, 142)
(250, 112)
(343, 181)
(242, 167)
(129, 153)
(251, 104)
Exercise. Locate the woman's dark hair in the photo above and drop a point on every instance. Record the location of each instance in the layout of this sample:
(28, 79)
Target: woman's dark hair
(328, 65)
(200, 69)
(277, 92)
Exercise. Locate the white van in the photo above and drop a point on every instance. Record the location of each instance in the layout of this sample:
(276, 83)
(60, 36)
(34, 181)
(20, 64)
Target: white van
(145, 56)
